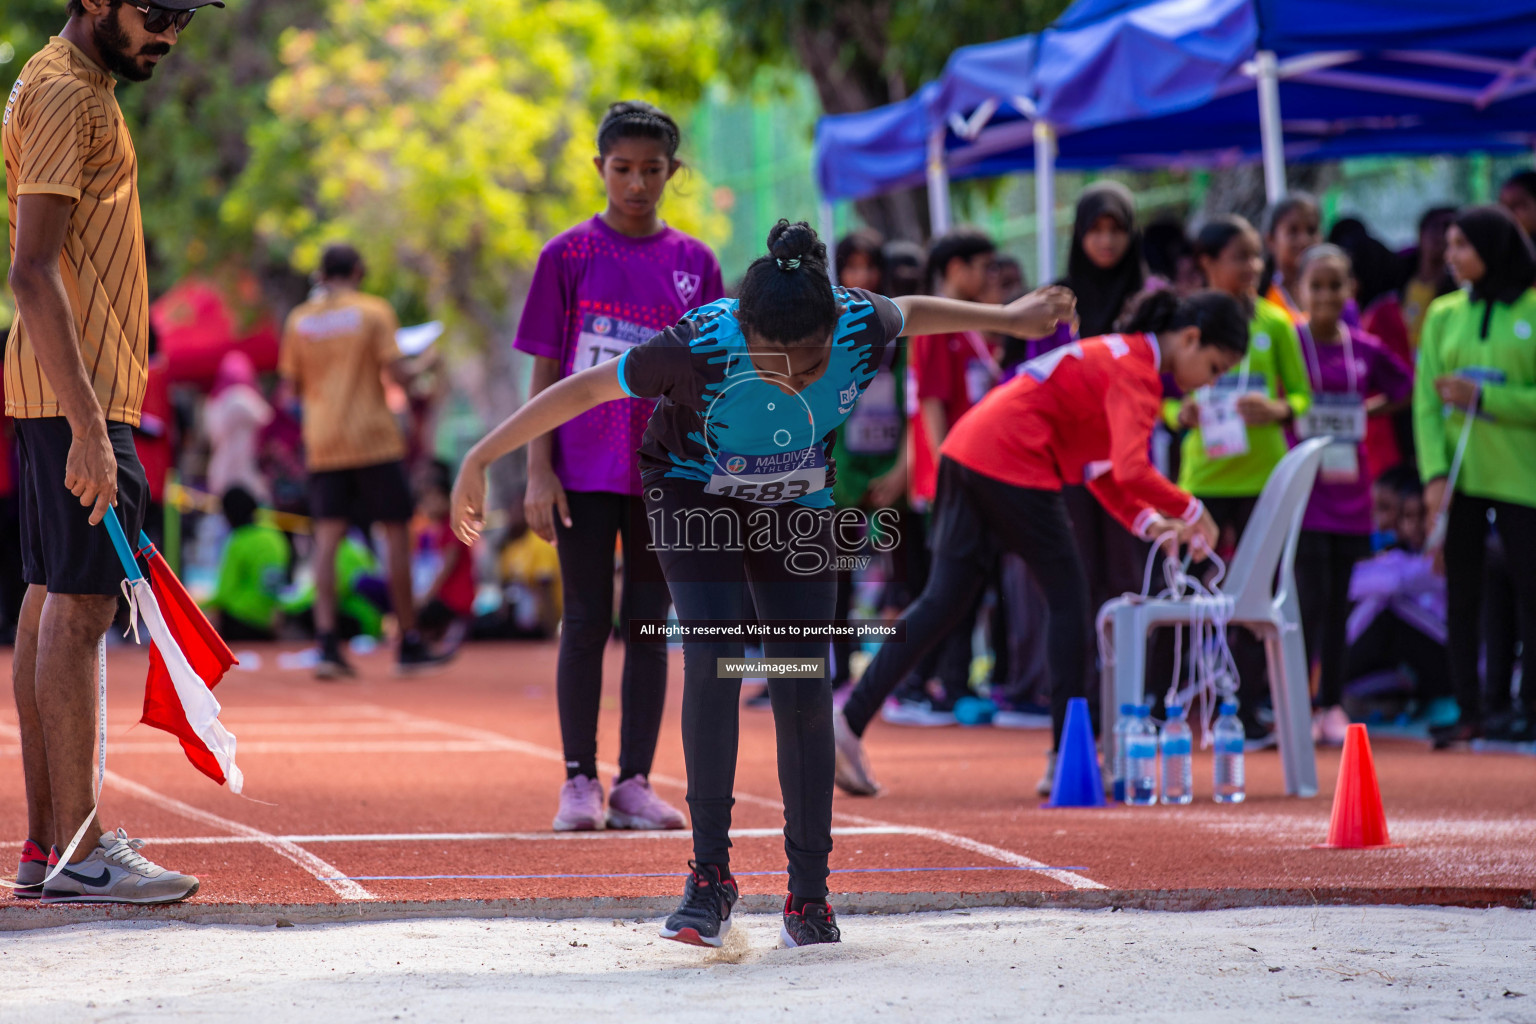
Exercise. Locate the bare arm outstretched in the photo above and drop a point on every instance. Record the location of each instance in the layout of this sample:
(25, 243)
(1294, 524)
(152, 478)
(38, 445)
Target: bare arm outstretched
(562, 401)
(1031, 316)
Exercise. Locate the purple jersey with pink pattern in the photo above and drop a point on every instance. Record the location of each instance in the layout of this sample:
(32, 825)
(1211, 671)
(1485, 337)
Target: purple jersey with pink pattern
(596, 294)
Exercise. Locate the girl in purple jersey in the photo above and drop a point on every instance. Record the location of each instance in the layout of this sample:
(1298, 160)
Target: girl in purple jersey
(1353, 376)
(600, 288)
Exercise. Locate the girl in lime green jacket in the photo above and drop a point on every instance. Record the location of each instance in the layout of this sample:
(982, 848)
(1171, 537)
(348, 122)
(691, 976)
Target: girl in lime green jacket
(1477, 357)
(1236, 428)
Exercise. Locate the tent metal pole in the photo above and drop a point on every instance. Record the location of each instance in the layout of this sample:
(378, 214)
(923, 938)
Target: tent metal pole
(827, 215)
(1045, 202)
(1271, 132)
(938, 185)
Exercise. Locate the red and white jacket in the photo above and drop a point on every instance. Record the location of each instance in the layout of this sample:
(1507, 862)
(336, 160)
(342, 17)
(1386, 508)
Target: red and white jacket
(1080, 414)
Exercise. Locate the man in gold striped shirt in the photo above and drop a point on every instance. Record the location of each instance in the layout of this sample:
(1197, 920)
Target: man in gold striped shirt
(337, 347)
(74, 381)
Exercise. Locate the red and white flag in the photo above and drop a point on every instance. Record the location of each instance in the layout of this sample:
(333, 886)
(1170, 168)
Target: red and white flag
(187, 658)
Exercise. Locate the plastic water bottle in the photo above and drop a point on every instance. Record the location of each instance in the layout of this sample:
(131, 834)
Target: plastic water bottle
(1122, 728)
(1178, 766)
(1228, 737)
(1141, 760)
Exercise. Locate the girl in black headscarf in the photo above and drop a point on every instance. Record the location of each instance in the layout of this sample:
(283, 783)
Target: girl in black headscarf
(1477, 359)
(1104, 269)
(1509, 261)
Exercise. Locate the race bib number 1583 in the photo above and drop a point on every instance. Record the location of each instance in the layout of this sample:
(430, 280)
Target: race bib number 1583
(769, 479)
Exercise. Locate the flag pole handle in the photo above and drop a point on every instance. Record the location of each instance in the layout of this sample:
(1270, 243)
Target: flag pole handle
(120, 542)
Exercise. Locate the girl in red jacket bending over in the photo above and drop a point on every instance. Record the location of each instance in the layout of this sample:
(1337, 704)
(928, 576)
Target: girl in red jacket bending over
(1085, 413)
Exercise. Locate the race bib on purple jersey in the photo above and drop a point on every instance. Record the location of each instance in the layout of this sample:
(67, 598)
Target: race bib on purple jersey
(604, 338)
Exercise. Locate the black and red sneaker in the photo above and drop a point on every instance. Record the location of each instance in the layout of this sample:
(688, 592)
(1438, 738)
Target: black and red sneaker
(704, 916)
(811, 925)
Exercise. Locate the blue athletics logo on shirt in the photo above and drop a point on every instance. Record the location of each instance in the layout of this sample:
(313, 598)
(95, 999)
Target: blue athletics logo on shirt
(735, 464)
(847, 397)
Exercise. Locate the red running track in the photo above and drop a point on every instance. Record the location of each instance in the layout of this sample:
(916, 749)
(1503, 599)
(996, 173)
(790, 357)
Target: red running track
(385, 792)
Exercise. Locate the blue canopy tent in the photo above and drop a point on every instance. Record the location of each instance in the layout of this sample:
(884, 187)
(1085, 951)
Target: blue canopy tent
(1174, 83)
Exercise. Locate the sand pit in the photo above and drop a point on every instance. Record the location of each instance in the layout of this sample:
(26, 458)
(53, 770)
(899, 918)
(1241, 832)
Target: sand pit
(1365, 963)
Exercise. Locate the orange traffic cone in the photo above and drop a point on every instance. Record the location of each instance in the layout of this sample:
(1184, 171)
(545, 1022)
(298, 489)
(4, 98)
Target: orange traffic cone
(1358, 820)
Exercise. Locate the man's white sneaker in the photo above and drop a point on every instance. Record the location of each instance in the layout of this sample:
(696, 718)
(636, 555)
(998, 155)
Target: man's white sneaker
(115, 872)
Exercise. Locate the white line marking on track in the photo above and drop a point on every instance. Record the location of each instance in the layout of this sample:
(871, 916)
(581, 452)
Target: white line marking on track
(528, 837)
(302, 712)
(318, 747)
(321, 731)
(322, 872)
(1068, 878)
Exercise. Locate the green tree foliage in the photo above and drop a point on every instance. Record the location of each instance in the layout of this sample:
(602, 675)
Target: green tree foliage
(189, 122)
(449, 139)
(190, 125)
(25, 26)
(866, 53)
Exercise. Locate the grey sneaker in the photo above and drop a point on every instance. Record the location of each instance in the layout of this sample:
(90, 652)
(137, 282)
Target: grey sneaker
(115, 872)
(852, 772)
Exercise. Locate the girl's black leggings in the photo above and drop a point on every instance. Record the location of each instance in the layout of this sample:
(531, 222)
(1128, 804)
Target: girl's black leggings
(586, 549)
(1466, 541)
(708, 546)
(977, 519)
(1324, 564)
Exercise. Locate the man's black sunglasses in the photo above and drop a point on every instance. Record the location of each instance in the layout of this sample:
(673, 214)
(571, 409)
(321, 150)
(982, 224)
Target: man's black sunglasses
(158, 19)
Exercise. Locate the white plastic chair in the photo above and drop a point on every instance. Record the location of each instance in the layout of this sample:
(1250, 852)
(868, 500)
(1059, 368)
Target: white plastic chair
(1254, 601)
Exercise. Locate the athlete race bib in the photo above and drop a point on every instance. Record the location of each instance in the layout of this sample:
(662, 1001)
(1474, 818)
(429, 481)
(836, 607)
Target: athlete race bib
(874, 427)
(1341, 417)
(769, 479)
(604, 338)
(1222, 429)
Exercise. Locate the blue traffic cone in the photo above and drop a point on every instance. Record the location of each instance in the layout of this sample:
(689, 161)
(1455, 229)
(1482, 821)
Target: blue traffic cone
(1078, 783)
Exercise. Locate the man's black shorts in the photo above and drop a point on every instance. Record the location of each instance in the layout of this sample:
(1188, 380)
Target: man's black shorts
(60, 549)
(368, 494)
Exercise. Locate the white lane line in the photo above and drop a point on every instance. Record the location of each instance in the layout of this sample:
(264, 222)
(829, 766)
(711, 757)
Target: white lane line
(318, 731)
(302, 712)
(529, 837)
(1068, 878)
(321, 747)
(328, 874)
